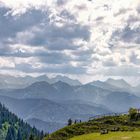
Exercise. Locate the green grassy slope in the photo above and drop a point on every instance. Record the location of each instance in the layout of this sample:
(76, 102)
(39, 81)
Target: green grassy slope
(121, 123)
(111, 136)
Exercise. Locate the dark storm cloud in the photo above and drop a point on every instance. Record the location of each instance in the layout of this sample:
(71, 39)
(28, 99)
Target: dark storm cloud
(43, 32)
(62, 44)
(47, 35)
(55, 58)
(59, 38)
(65, 14)
(84, 55)
(10, 25)
(61, 58)
(131, 35)
(127, 35)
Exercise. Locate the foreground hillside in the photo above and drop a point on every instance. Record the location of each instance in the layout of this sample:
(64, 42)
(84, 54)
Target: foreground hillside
(117, 123)
(12, 128)
(111, 136)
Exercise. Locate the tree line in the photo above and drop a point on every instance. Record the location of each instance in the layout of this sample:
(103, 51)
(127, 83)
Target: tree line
(13, 128)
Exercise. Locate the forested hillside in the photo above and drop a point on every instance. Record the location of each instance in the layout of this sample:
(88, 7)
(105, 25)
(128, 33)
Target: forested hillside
(12, 128)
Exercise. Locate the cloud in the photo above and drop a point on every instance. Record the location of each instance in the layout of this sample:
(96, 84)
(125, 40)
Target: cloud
(57, 38)
(71, 37)
(11, 25)
(128, 35)
(135, 58)
(123, 71)
(6, 63)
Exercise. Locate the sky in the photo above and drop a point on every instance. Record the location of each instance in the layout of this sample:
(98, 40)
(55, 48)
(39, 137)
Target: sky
(83, 39)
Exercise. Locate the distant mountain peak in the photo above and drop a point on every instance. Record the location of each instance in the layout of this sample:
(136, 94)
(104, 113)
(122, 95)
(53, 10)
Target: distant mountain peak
(98, 81)
(61, 84)
(116, 80)
(40, 84)
(111, 79)
(67, 80)
(121, 83)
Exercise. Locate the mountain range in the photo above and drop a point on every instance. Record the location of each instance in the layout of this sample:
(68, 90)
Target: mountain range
(50, 111)
(48, 105)
(15, 82)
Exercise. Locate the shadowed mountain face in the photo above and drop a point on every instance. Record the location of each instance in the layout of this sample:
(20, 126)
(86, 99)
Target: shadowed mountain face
(121, 101)
(46, 126)
(51, 112)
(57, 102)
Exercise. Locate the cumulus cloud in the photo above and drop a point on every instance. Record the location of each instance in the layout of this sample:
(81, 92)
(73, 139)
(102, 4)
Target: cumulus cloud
(71, 37)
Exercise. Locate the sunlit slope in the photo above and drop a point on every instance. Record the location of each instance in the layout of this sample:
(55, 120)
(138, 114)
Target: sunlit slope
(119, 127)
(111, 136)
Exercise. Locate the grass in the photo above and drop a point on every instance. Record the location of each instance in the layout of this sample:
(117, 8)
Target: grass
(111, 136)
(121, 124)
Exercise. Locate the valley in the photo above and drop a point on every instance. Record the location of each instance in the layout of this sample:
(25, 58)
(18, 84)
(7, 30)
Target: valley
(48, 106)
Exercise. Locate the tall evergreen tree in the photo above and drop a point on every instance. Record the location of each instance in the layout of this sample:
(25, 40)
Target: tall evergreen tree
(31, 137)
(70, 122)
(11, 134)
(19, 137)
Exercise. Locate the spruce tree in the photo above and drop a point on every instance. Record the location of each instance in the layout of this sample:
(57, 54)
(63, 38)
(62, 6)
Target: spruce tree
(11, 134)
(70, 122)
(31, 137)
(19, 137)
